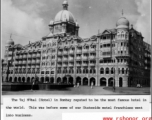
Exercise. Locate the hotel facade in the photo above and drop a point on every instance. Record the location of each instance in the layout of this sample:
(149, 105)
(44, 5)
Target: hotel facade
(116, 56)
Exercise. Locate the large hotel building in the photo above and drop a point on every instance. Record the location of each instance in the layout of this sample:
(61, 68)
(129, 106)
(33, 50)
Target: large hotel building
(116, 56)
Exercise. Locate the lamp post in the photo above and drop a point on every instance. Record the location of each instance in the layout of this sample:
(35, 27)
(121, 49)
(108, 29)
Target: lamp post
(113, 66)
(8, 70)
(2, 69)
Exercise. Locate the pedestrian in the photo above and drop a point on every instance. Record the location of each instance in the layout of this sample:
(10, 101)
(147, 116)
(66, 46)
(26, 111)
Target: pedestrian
(33, 82)
(114, 88)
(78, 84)
(74, 84)
(91, 85)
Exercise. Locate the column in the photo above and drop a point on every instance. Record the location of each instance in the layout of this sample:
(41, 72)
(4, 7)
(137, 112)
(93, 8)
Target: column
(106, 82)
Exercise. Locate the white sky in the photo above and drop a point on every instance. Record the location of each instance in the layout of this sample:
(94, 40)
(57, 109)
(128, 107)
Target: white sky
(31, 18)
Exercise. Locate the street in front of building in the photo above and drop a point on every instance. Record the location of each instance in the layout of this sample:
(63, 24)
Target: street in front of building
(84, 90)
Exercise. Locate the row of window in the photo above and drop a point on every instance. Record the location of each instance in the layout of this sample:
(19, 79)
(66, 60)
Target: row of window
(107, 37)
(49, 51)
(48, 57)
(47, 72)
(49, 44)
(66, 42)
(113, 61)
(112, 71)
(48, 64)
(78, 71)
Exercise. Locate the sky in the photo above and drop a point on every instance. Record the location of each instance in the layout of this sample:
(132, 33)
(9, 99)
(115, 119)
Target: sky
(28, 20)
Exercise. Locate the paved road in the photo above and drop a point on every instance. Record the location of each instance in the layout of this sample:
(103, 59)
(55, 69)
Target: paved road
(84, 90)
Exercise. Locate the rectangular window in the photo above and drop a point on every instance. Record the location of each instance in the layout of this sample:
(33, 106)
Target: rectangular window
(52, 72)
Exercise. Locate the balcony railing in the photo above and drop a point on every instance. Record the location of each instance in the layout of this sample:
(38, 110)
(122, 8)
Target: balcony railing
(92, 49)
(78, 58)
(71, 64)
(79, 50)
(10, 53)
(37, 61)
(29, 62)
(71, 52)
(85, 50)
(59, 59)
(84, 57)
(33, 55)
(78, 64)
(33, 61)
(24, 62)
(20, 62)
(37, 66)
(59, 65)
(84, 64)
(20, 56)
(92, 57)
(38, 55)
(16, 62)
(24, 56)
(59, 53)
(65, 52)
(65, 59)
(33, 66)
(71, 58)
(92, 64)
(65, 65)
(29, 56)
(17, 57)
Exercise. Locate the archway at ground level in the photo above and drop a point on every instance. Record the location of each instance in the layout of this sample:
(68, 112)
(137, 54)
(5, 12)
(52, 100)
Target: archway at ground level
(51, 80)
(15, 79)
(37, 79)
(58, 80)
(78, 80)
(120, 82)
(47, 79)
(92, 81)
(85, 81)
(103, 82)
(71, 80)
(42, 80)
(28, 79)
(19, 79)
(23, 79)
(110, 81)
(32, 79)
(64, 80)
(10, 79)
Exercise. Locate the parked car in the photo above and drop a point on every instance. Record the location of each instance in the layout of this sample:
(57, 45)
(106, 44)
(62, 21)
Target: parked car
(139, 86)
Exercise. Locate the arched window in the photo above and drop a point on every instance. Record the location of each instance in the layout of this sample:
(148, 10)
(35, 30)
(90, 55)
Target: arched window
(83, 70)
(123, 71)
(127, 71)
(101, 71)
(86, 70)
(107, 70)
(72, 71)
(66, 71)
(112, 70)
(118, 70)
(91, 70)
(79, 70)
(94, 70)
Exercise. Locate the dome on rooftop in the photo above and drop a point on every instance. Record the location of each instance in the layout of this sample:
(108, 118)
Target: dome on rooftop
(64, 15)
(122, 23)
